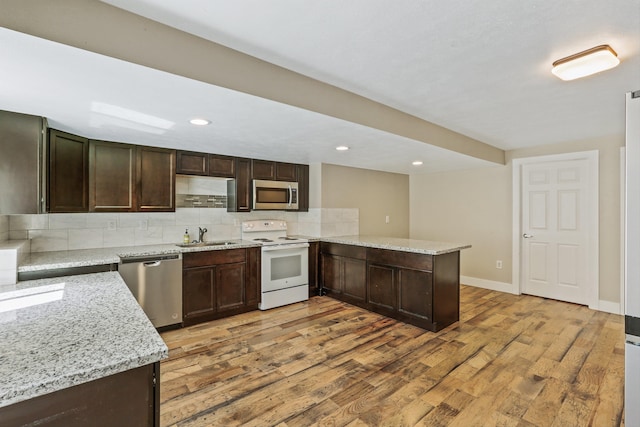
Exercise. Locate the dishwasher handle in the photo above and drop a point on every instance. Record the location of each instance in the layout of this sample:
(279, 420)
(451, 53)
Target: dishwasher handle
(149, 259)
(152, 263)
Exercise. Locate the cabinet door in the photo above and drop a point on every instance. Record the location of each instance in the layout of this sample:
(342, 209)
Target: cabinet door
(68, 173)
(156, 179)
(286, 172)
(198, 293)
(331, 273)
(253, 277)
(239, 189)
(112, 177)
(263, 169)
(314, 248)
(222, 166)
(191, 163)
(230, 286)
(415, 293)
(303, 188)
(354, 278)
(382, 286)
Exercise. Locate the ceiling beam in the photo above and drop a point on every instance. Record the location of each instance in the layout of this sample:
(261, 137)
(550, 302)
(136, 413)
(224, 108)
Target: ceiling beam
(101, 28)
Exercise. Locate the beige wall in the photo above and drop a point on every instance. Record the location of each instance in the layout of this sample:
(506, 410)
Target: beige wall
(376, 194)
(475, 207)
(471, 207)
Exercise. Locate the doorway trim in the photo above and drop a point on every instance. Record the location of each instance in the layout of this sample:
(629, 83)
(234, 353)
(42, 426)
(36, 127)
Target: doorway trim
(593, 249)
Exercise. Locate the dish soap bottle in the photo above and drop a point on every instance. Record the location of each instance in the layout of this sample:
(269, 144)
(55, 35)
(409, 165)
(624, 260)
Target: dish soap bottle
(186, 238)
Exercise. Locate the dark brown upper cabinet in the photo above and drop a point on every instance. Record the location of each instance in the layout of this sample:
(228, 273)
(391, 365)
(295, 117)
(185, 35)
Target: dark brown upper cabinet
(263, 169)
(222, 166)
(155, 179)
(239, 188)
(286, 172)
(192, 163)
(303, 188)
(131, 178)
(67, 188)
(275, 171)
(112, 177)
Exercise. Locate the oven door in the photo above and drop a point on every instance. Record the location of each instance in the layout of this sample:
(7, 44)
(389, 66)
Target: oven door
(285, 266)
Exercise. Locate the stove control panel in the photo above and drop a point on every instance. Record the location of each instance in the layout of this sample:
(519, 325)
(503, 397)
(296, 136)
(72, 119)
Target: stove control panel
(264, 225)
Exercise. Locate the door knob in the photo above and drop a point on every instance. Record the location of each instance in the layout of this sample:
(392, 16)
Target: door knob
(527, 236)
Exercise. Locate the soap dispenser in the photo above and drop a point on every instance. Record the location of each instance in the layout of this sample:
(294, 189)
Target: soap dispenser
(186, 238)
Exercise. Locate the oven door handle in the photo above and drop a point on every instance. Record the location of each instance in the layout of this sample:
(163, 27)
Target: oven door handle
(284, 247)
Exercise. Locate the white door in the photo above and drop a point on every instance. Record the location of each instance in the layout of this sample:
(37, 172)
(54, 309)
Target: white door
(555, 230)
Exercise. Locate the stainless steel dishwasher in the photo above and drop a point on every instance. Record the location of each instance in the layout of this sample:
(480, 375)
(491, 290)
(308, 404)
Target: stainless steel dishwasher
(156, 282)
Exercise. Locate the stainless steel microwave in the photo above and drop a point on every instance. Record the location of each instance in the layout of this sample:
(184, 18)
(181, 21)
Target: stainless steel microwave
(275, 195)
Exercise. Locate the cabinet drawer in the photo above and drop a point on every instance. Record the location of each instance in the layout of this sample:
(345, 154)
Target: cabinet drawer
(350, 251)
(225, 256)
(400, 259)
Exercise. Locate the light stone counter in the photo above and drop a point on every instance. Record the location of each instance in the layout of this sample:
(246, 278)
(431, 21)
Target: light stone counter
(393, 243)
(38, 261)
(57, 333)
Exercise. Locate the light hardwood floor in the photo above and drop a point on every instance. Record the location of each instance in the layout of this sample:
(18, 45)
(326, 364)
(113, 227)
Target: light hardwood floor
(510, 361)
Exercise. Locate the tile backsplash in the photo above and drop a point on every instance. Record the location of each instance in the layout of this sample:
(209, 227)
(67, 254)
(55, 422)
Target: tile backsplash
(54, 232)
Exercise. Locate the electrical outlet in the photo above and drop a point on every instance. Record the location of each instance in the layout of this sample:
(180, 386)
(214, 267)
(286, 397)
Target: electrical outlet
(143, 224)
(386, 219)
(499, 264)
(111, 225)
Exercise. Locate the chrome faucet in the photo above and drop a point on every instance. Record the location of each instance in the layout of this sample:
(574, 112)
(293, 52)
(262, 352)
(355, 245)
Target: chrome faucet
(201, 232)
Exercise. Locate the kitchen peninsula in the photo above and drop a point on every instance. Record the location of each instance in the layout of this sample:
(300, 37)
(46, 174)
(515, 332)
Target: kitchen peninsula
(77, 350)
(415, 281)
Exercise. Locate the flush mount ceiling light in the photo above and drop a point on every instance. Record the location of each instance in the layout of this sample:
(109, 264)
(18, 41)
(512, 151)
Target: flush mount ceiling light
(582, 64)
(417, 163)
(342, 148)
(199, 122)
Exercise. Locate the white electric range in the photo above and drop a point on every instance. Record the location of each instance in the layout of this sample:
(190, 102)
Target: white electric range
(285, 263)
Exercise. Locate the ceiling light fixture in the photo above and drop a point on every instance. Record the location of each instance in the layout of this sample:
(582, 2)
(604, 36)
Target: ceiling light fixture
(199, 122)
(586, 63)
(417, 163)
(342, 148)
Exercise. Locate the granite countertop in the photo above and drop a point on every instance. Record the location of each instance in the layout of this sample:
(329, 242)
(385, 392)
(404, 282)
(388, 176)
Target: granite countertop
(39, 261)
(57, 333)
(397, 244)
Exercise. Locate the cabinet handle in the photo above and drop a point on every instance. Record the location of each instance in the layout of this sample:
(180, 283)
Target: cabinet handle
(527, 236)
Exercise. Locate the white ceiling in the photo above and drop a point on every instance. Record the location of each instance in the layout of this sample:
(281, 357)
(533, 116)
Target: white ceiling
(480, 68)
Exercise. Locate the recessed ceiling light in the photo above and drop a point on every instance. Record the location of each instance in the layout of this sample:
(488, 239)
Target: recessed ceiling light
(342, 148)
(417, 163)
(199, 122)
(585, 63)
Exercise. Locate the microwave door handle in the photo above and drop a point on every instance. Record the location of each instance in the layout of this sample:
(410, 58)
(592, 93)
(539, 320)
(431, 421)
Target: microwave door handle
(290, 195)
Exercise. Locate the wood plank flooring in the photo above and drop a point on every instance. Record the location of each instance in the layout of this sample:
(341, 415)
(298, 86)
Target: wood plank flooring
(511, 361)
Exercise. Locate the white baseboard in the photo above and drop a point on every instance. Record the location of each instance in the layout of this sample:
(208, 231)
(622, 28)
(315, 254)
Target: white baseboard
(488, 284)
(609, 307)
(606, 306)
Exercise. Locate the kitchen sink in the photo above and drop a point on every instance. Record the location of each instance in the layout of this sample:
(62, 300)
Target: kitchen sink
(201, 244)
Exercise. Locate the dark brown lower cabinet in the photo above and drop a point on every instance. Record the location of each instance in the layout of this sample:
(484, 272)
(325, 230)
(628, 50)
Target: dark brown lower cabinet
(344, 271)
(218, 284)
(314, 249)
(423, 290)
(127, 399)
